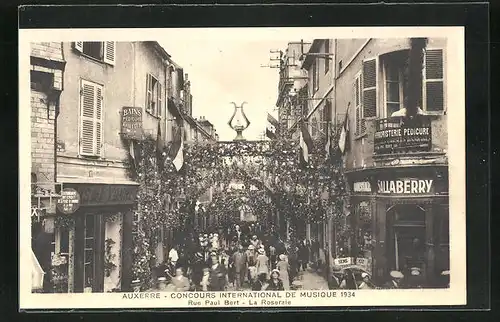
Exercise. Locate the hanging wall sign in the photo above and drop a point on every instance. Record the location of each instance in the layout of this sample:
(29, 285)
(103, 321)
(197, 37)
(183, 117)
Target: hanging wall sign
(69, 202)
(132, 123)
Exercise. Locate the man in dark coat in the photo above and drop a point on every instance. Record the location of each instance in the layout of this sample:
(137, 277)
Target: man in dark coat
(240, 266)
(197, 270)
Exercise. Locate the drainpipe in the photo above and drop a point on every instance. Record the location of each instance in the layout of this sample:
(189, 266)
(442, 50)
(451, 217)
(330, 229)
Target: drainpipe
(415, 65)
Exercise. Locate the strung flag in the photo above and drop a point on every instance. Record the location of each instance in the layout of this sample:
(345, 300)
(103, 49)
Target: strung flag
(272, 127)
(306, 142)
(177, 150)
(343, 140)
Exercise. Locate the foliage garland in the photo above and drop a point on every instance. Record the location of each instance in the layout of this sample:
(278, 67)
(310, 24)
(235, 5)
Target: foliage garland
(167, 197)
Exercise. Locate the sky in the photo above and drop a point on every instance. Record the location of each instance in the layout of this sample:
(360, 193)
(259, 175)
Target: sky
(223, 71)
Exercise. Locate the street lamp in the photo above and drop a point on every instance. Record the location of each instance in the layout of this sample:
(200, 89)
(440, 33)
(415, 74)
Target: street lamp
(239, 121)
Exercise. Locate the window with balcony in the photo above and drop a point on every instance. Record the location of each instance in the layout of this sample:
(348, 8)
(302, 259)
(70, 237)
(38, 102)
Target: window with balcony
(394, 82)
(102, 51)
(154, 97)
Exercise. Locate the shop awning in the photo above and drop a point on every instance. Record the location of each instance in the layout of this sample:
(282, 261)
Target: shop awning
(37, 273)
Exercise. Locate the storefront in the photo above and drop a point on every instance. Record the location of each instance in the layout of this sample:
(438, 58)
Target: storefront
(400, 220)
(93, 243)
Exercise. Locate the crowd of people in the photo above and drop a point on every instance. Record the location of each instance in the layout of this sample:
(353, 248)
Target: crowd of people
(246, 260)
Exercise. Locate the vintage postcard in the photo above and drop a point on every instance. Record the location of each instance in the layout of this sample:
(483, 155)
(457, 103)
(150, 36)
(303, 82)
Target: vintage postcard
(242, 167)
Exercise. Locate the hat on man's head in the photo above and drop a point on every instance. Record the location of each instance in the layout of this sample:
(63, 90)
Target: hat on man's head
(336, 269)
(213, 253)
(363, 275)
(251, 247)
(261, 251)
(415, 271)
(282, 257)
(445, 273)
(396, 274)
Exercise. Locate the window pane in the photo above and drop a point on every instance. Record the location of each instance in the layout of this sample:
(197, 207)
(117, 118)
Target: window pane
(93, 49)
(64, 241)
(89, 226)
(412, 213)
(392, 72)
(89, 242)
(393, 92)
(391, 108)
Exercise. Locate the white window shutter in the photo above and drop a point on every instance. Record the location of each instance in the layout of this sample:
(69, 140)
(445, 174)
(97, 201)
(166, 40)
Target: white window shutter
(99, 122)
(433, 84)
(87, 130)
(149, 94)
(110, 52)
(78, 45)
(160, 100)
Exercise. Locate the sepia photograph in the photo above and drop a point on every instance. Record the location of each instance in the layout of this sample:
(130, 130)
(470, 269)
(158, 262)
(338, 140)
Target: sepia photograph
(231, 168)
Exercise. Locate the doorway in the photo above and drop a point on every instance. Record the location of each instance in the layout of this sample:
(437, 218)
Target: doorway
(407, 233)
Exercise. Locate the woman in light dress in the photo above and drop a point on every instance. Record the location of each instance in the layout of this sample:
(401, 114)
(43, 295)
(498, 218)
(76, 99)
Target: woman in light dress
(283, 267)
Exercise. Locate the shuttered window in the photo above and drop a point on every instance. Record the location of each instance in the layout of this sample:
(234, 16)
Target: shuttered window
(104, 51)
(358, 110)
(91, 109)
(154, 99)
(369, 88)
(433, 85)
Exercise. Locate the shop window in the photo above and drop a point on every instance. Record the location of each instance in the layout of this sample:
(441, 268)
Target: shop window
(409, 214)
(89, 248)
(364, 228)
(444, 226)
(103, 51)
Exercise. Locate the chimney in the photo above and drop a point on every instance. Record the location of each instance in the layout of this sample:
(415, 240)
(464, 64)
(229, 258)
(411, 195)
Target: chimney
(186, 79)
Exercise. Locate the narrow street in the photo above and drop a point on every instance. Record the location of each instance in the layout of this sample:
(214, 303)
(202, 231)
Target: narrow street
(310, 280)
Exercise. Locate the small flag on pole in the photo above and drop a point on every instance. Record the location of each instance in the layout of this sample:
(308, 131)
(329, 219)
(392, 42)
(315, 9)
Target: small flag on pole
(343, 140)
(177, 150)
(306, 143)
(272, 127)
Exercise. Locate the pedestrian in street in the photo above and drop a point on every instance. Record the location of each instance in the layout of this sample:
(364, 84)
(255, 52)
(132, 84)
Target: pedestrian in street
(217, 280)
(366, 284)
(260, 284)
(293, 261)
(283, 268)
(205, 280)
(303, 256)
(255, 242)
(336, 278)
(240, 267)
(349, 281)
(173, 256)
(261, 263)
(396, 280)
(272, 256)
(180, 282)
(415, 278)
(275, 282)
(251, 262)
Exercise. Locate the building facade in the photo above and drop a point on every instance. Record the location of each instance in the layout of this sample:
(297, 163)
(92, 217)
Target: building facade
(79, 92)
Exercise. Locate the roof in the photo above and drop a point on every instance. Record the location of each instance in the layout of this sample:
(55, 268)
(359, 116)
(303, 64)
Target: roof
(308, 60)
(160, 49)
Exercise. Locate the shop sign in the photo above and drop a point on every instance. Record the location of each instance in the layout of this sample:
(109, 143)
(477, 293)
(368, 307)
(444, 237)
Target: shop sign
(342, 262)
(132, 123)
(107, 194)
(403, 138)
(69, 202)
(363, 186)
(405, 186)
(364, 263)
